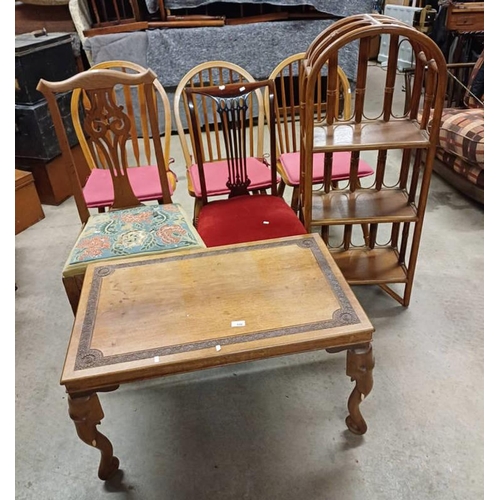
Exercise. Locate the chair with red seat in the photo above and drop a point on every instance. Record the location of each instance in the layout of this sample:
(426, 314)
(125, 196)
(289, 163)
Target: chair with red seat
(242, 217)
(214, 73)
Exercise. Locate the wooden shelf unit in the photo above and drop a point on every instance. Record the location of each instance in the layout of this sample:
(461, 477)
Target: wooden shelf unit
(370, 134)
(395, 209)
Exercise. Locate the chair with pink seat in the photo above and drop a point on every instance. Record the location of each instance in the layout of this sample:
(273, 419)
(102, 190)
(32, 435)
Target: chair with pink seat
(286, 76)
(137, 152)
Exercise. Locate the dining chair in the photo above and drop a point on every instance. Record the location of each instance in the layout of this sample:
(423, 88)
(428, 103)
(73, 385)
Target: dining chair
(242, 216)
(214, 73)
(131, 227)
(286, 76)
(138, 155)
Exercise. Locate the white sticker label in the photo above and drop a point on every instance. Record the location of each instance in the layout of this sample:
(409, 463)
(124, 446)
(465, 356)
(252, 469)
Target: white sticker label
(157, 359)
(217, 347)
(238, 323)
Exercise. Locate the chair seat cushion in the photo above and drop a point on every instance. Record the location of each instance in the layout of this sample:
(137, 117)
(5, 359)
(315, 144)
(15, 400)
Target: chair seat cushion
(145, 182)
(135, 231)
(216, 176)
(247, 218)
(462, 134)
(340, 168)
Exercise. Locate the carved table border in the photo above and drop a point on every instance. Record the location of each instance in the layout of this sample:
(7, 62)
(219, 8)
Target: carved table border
(92, 358)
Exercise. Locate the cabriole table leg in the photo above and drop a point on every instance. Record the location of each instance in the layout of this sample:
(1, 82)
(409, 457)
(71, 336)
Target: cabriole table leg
(360, 364)
(86, 412)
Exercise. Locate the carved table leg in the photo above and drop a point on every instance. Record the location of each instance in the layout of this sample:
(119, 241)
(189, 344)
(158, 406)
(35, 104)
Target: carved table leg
(87, 413)
(360, 364)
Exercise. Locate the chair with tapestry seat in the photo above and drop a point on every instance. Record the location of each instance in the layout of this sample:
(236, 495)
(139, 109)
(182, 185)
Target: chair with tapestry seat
(130, 228)
(143, 175)
(241, 217)
(286, 76)
(214, 73)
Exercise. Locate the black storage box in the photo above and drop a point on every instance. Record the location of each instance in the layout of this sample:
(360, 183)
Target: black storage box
(35, 132)
(49, 56)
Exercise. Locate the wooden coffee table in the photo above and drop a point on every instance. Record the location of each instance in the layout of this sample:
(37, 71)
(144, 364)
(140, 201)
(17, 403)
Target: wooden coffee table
(150, 317)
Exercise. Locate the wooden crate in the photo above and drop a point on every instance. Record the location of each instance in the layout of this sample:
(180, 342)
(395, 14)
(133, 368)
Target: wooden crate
(51, 177)
(28, 208)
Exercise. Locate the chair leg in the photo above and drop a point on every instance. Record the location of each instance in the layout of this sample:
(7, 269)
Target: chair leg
(197, 208)
(281, 188)
(73, 286)
(295, 199)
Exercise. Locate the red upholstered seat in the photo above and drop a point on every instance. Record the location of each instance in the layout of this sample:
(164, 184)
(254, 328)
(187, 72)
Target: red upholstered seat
(216, 176)
(340, 169)
(145, 182)
(247, 218)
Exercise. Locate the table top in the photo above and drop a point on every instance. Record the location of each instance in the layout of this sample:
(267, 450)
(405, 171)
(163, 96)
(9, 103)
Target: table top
(141, 318)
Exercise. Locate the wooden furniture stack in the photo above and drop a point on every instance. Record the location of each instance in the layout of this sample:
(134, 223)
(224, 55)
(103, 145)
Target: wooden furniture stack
(389, 212)
(50, 56)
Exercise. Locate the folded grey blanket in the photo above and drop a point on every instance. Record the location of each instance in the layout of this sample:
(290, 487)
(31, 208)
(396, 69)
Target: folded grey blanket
(171, 53)
(256, 47)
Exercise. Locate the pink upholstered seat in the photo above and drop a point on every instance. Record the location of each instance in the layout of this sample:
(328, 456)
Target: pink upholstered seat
(216, 176)
(340, 170)
(145, 182)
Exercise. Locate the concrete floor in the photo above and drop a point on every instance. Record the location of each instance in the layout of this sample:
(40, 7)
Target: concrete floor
(270, 429)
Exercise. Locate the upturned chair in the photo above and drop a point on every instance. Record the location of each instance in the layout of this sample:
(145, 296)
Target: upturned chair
(129, 228)
(214, 73)
(137, 157)
(286, 76)
(242, 217)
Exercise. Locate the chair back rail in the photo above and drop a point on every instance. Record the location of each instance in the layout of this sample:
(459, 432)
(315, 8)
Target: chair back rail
(104, 124)
(233, 122)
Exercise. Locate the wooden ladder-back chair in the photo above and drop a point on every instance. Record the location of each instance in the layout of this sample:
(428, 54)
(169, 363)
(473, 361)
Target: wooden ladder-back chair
(142, 173)
(286, 76)
(129, 228)
(214, 73)
(241, 217)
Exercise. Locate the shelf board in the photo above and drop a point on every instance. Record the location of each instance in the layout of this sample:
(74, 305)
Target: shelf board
(369, 135)
(363, 205)
(362, 266)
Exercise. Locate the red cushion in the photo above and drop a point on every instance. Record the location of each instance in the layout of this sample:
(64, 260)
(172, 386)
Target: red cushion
(340, 169)
(247, 218)
(216, 175)
(145, 182)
